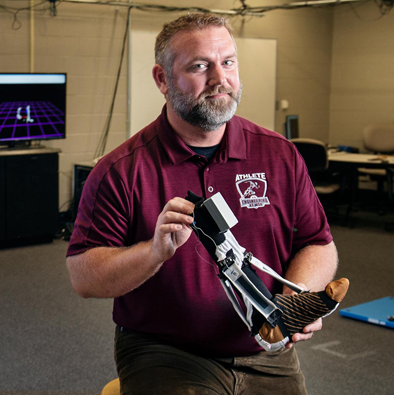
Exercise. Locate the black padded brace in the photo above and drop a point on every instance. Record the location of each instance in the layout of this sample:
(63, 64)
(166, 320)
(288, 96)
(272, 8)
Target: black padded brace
(206, 233)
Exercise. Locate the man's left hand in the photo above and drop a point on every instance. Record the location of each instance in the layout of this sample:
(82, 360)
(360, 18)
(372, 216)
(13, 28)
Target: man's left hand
(307, 333)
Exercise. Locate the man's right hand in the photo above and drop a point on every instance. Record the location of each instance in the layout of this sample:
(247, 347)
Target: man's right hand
(172, 228)
(109, 272)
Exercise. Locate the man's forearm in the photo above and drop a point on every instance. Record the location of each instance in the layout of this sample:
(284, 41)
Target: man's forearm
(314, 266)
(108, 272)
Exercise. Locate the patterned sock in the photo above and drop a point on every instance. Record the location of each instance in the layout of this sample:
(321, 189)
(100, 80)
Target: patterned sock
(300, 310)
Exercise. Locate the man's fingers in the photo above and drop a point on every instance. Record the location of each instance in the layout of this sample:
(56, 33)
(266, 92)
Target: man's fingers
(314, 327)
(175, 214)
(171, 227)
(179, 205)
(173, 218)
(307, 332)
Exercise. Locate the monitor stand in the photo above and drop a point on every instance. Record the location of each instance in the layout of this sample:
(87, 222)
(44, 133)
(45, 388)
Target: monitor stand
(13, 145)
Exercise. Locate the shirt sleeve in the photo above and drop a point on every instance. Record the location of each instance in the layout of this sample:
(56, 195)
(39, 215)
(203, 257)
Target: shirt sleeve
(311, 226)
(103, 212)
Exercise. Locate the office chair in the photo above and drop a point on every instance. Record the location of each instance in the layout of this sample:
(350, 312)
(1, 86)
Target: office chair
(328, 185)
(315, 156)
(379, 139)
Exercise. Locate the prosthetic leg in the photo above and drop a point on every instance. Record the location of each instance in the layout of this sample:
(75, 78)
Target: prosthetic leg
(272, 320)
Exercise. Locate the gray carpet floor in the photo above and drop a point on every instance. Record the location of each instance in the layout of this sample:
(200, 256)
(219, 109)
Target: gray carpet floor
(53, 342)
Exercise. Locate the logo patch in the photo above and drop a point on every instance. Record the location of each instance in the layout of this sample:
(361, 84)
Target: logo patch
(253, 189)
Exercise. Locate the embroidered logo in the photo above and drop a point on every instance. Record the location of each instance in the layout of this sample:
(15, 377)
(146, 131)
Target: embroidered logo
(253, 189)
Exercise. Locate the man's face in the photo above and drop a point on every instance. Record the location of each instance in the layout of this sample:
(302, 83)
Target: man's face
(203, 87)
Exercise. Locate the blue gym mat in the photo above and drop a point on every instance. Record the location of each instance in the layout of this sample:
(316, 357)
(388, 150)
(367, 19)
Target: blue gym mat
(378, 312)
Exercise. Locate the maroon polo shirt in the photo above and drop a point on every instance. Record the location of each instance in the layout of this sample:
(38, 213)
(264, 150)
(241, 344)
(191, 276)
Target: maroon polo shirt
(265, 182)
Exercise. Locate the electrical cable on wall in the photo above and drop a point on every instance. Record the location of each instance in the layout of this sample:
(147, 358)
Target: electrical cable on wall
(244, 10)
(103, 141)
(16, 23)
(385, 6)
(154, 7)
(52, 7)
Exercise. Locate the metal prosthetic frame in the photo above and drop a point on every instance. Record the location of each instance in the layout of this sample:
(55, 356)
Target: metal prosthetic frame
(212, 220)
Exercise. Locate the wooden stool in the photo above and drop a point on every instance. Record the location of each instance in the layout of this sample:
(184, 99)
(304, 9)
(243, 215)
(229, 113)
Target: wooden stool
(112, 388)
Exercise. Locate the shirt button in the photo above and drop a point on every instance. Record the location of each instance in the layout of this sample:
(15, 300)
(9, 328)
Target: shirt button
(207, 169)
(210, 189)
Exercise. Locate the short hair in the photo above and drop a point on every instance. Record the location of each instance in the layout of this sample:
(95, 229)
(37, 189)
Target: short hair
(164, 54)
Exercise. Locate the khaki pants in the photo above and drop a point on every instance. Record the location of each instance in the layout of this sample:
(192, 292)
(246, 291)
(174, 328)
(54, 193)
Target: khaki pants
(149, 367)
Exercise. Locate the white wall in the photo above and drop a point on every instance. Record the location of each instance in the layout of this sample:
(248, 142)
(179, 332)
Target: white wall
(85, 42)
(362, 87)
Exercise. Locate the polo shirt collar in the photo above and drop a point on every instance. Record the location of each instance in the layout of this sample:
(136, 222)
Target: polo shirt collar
(235, 139)
(233, 146)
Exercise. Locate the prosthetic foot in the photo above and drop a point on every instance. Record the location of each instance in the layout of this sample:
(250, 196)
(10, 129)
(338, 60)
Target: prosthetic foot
(300, 310)
(271, 320)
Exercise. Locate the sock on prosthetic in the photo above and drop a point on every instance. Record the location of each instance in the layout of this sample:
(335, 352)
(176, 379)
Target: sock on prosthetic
(300, 310)
(287, 314)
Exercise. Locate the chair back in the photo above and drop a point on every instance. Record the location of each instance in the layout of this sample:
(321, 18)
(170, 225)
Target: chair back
(379, 138)
(314, 153)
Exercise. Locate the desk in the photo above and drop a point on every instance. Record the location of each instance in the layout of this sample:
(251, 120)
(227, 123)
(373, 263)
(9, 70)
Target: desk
(364, 160)
(351, 162)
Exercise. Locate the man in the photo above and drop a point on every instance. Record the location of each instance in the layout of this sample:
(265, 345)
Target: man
(177, 333)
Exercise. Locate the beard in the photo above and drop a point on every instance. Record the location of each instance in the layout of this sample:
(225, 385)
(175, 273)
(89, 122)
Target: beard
(207, 114)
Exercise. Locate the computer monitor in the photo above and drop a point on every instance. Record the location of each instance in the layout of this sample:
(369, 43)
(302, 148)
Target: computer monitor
(291, 127)
(32, 107)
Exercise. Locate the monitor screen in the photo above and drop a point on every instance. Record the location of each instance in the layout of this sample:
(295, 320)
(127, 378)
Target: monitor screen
(291, 127)
(32, 107)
